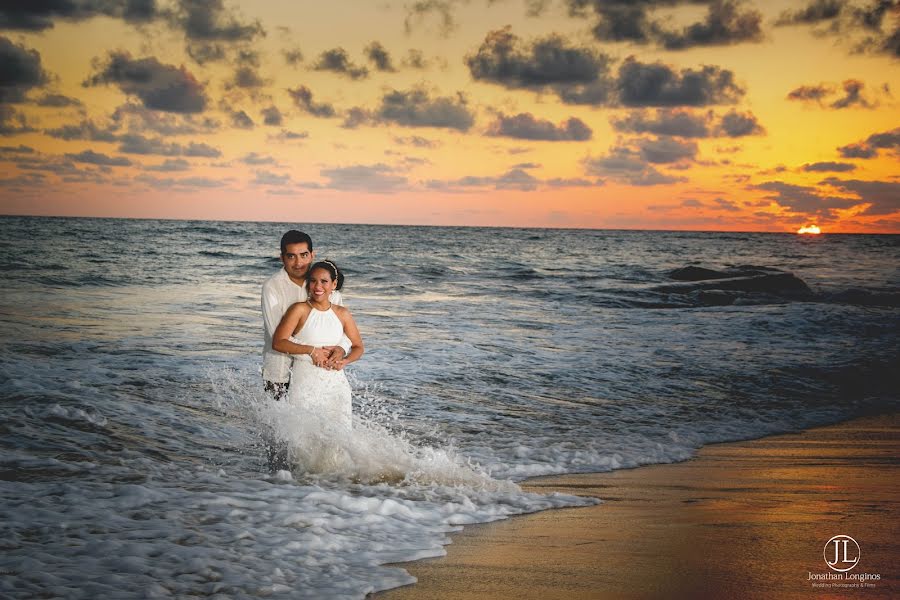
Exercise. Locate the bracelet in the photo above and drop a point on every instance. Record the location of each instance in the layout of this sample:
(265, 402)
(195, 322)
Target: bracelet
(311, 351)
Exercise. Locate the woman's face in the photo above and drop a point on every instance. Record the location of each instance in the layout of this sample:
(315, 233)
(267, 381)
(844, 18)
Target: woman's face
(320, 285)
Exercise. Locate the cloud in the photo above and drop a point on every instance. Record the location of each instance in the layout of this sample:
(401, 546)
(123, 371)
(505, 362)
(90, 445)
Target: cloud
(85, 130)
(724, 25)
(417, 141)
(209, 21)
(241, 120)
(292, 56)
(833, 167)
(357, 116)
(96, 158)
(806, 93)
(20, 149)
(254, 158)
(185, 182)
(883, 197)
(418, 11)
(379, 56)
(286, 136)
(264, 177)
(813, 13)
(58, 101)
(551, 61)
(337, 61)
(272, 116)
(415, 59)
(246, 77)
(666, 121)
(805, 199)
(137, 118)
(852, 95)
(13, 122)
(870, 147)
(627, 165)
(525, 126)
(20, 71)
(735, 124)
(666, 150)
(170, 165)
(38, 16)
(378, 178)
(657, 84)
(157, 85)
(516, 178)
(416, 108)
(138, 144)
(303, 98)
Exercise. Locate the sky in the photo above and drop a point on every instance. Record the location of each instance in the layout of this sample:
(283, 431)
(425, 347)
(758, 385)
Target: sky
(722, 115)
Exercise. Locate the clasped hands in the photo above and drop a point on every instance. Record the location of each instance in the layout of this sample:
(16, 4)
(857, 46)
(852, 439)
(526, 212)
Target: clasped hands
(328, 357)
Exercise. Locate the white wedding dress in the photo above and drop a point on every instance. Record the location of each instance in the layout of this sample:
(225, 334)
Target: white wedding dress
(322, 396)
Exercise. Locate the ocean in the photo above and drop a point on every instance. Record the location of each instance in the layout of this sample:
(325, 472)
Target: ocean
(134, 424)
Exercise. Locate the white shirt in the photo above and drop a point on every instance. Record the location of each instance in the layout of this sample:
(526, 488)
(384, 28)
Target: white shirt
(278, 294)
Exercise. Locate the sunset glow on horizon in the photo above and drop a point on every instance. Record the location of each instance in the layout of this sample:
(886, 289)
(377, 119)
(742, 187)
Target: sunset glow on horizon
(725, 115)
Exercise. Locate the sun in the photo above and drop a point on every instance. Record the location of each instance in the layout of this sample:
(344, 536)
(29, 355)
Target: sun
(810, 230)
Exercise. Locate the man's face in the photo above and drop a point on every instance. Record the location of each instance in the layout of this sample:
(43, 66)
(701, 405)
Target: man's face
(296, 260)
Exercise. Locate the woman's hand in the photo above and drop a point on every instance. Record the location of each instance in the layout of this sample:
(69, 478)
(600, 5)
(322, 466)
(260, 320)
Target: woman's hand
(319, 356)
(335, 357)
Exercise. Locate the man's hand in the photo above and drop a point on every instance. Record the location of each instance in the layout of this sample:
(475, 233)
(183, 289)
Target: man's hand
(335, 360)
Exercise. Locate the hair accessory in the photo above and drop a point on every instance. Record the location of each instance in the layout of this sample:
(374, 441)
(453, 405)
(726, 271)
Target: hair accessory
(333, 266)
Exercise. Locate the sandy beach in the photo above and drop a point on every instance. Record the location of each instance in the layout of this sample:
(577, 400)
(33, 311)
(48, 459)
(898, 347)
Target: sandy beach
(739, 520)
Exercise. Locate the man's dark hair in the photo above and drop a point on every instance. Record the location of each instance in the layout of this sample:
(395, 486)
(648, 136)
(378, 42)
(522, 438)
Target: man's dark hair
(295, 237)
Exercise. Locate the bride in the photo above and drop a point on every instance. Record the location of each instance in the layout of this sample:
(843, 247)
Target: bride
(319, 388)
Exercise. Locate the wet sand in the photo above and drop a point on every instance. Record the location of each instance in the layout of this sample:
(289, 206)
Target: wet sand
(740, 520)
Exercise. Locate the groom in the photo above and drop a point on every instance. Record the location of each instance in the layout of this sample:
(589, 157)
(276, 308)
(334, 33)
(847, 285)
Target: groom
(279, 292)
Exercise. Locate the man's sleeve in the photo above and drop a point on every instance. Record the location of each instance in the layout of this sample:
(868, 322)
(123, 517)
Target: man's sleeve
(270, 309)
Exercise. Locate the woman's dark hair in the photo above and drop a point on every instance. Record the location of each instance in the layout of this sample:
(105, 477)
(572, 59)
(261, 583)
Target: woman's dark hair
(336, 274)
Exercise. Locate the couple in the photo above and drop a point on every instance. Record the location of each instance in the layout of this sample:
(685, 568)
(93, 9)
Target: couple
(309, 335)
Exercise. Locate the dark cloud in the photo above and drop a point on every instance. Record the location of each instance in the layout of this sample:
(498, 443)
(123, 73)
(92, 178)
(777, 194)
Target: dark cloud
(804, 199)
(40, 15)
(85, 130)
(673, 122)
(852, 96)
(264, 177)
(883, 197)
(136, 118)
(132, 143)
(337, 61)
(417, 141)
(415, 108)
(517, 178)
(58, 101)
(303, 98)
(272, 116)
(657, 84)
(551, 61)
(286, 136)
(725, 24)
(157, 85)
(870, 147)
(828, 167)
(666, 150)
(813, 13)
(807, 93)
(20, 71)
(209, 20)
(12, 122)
(418, 11)
(187, 183)
(627, 165)
(96, 158)
(735, 124)
(526, 126)
(415, 59)
(254, 158)
(356, 117)
(380, 57)
(292, 56)
(170, 165)
(20, 149)
(247, 77)
(377, 178)
(241, 120)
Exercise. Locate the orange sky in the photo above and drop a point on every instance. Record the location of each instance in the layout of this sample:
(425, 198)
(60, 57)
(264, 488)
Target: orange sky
(722, 115)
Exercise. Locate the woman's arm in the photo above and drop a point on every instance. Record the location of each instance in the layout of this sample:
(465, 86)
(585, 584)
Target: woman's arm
(291, 322)
(352, 332)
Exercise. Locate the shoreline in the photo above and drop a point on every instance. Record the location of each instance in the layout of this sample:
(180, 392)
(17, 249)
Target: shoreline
(738, 520)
